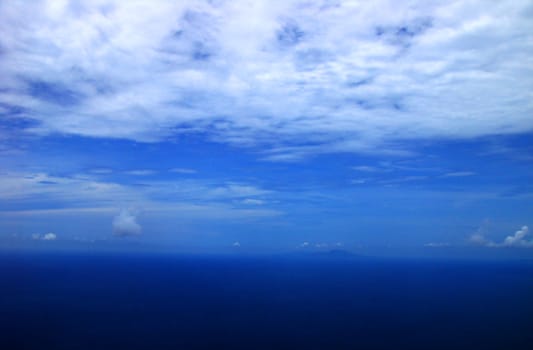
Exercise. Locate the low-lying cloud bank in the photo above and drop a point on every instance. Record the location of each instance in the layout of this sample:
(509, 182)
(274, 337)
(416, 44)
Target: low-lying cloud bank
(518, 239)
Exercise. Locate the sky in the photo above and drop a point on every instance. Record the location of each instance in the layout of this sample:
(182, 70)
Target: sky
(267, 126)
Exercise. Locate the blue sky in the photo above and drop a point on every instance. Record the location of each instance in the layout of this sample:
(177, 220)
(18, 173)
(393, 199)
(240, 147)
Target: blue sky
(294, 125)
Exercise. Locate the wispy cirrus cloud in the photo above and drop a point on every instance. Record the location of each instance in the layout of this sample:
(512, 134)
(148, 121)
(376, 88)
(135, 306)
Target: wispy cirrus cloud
(253, 201)
(183, 171)
(459, 174)
(316, 77)
(368, 168)
(140, 172)
(101, 171)
(40, 193)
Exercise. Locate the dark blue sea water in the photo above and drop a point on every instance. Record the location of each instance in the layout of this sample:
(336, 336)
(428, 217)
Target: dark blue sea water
(87, 301)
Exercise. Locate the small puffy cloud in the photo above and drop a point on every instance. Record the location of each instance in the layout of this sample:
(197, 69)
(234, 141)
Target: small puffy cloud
(518, 239)
(304, 245)
(478, 239)
(125, 224)
(236, 244)
(50, 236)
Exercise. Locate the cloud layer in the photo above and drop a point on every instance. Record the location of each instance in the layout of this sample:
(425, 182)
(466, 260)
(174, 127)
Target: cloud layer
(320, 76)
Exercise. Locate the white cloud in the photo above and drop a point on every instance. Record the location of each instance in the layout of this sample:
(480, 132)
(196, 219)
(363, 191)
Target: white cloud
(437, 245)
(75, 190)
(236, 244)
(50, 236)
(459, 174)
(183, 171)
(479, 239)
(86, 194)
(235, 190)
(518, 239)
(125, 224)
(411, 178)
(140, 172)
(101, 171)
(253, 201)
(367, 168)
(357, 76)
(321, 245)
(359, 181)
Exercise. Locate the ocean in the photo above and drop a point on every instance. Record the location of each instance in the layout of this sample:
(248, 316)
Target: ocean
(164, 301)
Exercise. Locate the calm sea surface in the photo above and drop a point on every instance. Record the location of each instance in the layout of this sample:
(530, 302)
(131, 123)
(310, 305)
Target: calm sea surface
(128, 301)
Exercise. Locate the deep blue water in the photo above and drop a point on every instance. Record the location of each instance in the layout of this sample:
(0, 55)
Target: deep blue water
(87, 301)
